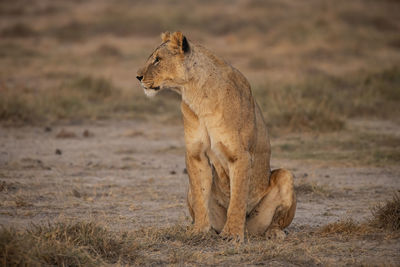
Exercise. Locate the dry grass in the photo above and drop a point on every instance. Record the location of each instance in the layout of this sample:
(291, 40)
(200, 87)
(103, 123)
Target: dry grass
(312, 188)
(387, 215)
(384, 217)
(354, 147)
(81, 97)
(287, 109)
(65, 245)
(346, 228)
(89, 244)
(323, 103)
(92, 245)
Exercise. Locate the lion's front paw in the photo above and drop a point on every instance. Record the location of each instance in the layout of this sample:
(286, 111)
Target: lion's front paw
(275, 234)
(234, 236)
(201, 229)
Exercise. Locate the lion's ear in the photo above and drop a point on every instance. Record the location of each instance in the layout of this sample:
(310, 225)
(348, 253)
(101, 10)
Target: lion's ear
(179, 42)
(165, 36)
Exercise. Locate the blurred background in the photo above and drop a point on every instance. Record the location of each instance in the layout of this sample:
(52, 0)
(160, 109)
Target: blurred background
(313, 65)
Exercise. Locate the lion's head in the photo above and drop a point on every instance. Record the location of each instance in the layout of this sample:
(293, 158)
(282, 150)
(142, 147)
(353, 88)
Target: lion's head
(165, 66)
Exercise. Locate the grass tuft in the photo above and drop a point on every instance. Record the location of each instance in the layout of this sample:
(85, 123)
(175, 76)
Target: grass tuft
(24, 248)
(387, 216)
(81, 243)
(97, 240)
(16, 107)
(346, 227)
(312, 188)
(183, 234)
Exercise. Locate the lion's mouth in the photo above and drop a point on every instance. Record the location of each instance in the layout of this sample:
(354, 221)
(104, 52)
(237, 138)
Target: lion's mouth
(151, 91)
(155, 88)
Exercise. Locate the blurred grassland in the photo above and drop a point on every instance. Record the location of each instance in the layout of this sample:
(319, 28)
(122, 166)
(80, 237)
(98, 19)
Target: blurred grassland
(312, 65)
(366, 149)
(79, 98)
(323, 103)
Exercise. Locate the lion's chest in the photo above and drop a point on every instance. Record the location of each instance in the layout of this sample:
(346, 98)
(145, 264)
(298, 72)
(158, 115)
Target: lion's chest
(206, 138)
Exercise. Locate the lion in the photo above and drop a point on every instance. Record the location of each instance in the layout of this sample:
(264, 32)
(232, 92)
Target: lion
(232, 189)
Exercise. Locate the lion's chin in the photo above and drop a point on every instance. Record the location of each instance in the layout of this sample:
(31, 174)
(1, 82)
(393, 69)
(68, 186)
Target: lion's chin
(150, 92)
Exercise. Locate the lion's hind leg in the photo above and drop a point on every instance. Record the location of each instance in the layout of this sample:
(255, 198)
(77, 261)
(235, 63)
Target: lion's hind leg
(276, 209)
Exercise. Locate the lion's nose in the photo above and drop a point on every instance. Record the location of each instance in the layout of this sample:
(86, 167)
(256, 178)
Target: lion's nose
(139, 78)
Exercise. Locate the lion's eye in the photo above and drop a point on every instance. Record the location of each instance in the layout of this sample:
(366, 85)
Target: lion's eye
(156, 60)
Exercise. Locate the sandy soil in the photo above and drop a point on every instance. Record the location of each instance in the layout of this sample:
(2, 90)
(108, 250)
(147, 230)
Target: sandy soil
(132, 174)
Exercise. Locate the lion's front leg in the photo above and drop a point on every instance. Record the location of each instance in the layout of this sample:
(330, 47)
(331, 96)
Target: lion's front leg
(200, 181)
(239, 187)
(198, 167)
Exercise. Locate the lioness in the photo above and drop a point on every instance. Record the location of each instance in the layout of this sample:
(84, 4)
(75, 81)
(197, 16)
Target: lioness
(232, 188)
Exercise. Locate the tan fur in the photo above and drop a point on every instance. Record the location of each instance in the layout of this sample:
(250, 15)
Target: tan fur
(232, 189)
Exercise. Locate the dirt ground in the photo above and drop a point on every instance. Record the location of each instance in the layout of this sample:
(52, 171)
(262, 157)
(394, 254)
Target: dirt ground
(128, 175)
